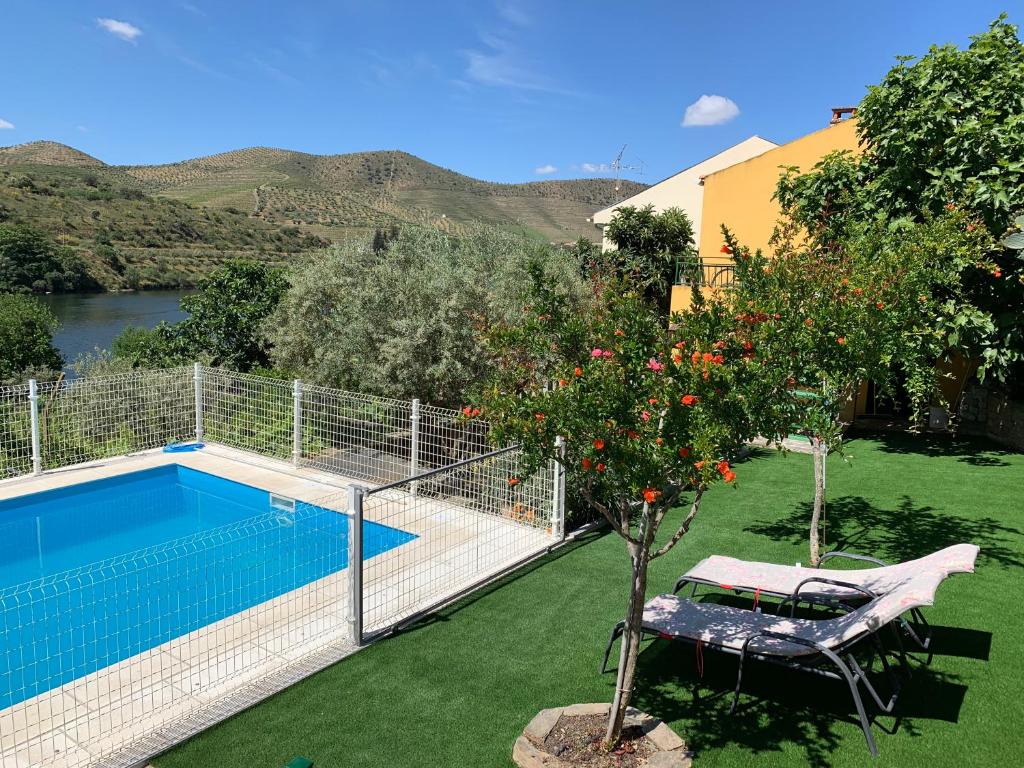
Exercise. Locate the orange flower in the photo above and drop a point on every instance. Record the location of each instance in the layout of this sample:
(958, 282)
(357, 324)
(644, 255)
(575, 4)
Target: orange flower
(658, 441)
(652, 401)
(599, 444)
(619, 332)
(601, 467)
(578, 371)
(467, 411)
(880, 305)
(858, 291)
(475, 412)
(689, 400)
(808, 322)
(513, 481)
(725, 249)
(684, 453)
(586, 463)
(680, 344)
(539, 416)
(748, 345)
(841, 340)
(563, 383)
(998, 273)
(708, 357)
(651, 495)
(719, 345)
(729, 476)
(722, 467)
(699, 465)
(717, 359)
(695, 358)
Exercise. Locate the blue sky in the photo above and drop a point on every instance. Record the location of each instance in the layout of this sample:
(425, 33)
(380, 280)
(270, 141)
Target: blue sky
(505, 90)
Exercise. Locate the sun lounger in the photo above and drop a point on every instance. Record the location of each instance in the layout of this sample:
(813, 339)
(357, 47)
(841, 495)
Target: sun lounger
(824, 586)
(817, 646)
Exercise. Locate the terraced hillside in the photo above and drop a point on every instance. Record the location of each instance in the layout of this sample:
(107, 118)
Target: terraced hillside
(130, 239)
(339, 196)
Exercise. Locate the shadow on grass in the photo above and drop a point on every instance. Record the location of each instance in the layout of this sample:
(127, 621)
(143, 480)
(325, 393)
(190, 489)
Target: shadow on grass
(444, 613)
(977, 451)
(777, 706)
(856, 525)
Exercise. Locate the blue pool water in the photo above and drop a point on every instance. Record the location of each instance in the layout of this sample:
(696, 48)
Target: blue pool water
(97, 572)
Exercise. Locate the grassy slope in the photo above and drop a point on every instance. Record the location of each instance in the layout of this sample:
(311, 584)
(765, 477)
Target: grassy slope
(457, 689)
(161, 241)
(340, 196)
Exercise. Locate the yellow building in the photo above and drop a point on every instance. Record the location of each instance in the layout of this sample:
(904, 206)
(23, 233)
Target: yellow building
(740, 197)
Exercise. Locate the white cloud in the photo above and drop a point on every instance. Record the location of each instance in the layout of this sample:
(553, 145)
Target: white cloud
(595, 167)
(504, 64)
(121, 29)
(514, 14)
(710, 110)
(544, 170)
(5, 125)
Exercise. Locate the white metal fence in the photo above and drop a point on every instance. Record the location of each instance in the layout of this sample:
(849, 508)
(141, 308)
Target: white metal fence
(111, 662)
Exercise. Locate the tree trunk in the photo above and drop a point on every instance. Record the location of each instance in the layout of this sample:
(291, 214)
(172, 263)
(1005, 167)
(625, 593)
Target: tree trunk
(630, 645)
(819, 498)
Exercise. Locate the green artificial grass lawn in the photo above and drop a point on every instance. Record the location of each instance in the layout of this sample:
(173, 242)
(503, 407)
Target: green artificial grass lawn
(458, 688)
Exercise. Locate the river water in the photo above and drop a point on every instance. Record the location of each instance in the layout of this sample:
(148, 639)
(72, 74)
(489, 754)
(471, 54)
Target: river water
(91, 321)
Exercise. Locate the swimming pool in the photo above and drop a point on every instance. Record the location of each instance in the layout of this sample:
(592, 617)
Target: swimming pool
(97, 572)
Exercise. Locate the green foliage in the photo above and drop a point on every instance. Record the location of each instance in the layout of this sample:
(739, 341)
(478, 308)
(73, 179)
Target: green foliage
(941, 133)
(402, 323)
(26, 337)
(225, 326)
(227, 314)
(31, 262)
(648, 246)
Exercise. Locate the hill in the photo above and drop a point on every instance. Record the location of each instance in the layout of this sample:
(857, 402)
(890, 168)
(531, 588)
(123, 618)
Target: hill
(47, 153)
(253, 200)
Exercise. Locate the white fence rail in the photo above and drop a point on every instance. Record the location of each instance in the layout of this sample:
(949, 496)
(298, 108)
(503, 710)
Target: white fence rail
(128, 655)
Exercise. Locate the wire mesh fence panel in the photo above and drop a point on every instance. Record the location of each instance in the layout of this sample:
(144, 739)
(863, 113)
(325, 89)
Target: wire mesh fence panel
(97, 418)
(15, 432)
(470, 523)
(95, 658)
(446, 437)
(356, 435)
(252, 413)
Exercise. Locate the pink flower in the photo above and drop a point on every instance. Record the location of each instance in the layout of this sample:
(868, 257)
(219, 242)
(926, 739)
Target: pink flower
(596, 352)
(646, 415)
(654, 365)
(607, 353)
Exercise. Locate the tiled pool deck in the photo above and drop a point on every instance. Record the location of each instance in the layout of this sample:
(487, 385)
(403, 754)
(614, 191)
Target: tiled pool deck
(126, 712)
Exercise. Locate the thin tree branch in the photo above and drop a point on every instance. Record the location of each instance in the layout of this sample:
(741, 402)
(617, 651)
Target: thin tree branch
(606, 513)
(684, 526)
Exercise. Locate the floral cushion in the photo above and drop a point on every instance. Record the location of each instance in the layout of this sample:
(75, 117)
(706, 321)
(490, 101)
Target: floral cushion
(721, 625)
(749, 576)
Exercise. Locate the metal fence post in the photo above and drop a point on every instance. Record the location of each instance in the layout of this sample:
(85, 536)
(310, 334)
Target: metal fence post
(414, 450)
(197, 380)
(33, 398)
(355, 562)
(558, 488)
(297, 423)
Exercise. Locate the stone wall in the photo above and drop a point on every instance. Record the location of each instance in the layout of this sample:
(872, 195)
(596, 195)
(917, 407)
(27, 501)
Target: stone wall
(985, 412)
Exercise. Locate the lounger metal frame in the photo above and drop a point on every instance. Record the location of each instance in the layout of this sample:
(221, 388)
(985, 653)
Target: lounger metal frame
(850, 671)
(918, 628)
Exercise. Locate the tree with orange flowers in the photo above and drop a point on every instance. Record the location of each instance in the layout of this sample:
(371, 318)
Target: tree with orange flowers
(880, 307)
(651, 414)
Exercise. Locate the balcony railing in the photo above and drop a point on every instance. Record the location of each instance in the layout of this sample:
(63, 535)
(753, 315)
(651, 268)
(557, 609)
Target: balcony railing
(706, 273)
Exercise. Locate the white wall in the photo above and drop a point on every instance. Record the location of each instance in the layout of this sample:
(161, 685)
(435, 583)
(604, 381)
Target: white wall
(684, 190)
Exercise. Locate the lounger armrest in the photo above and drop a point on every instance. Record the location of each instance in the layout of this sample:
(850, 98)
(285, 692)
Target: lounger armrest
(851, 556)
(795, 597)
(782, 636)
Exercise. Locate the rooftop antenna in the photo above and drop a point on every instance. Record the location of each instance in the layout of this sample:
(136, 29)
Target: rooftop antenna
(618, 168)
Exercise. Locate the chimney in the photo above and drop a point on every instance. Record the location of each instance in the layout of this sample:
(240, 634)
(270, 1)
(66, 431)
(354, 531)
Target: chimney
(841, 113)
